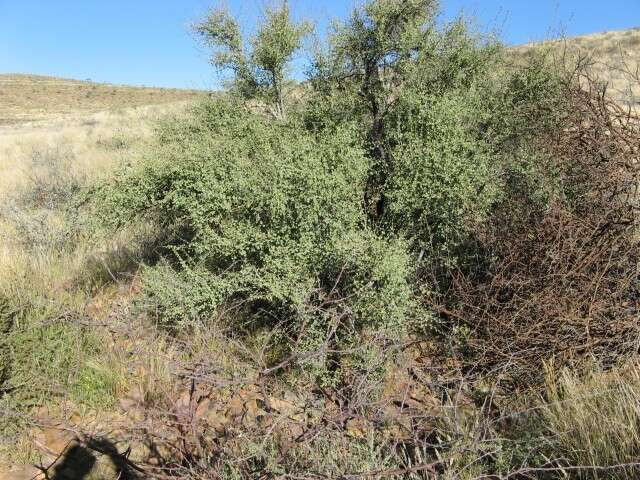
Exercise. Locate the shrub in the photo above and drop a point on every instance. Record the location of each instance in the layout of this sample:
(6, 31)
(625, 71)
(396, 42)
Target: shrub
(557, 278)
(422, 168)
(267, 215)
(260, 65)
(36, 211)
(53, 180)
(406, 147)
(38, 228)
(443, 181)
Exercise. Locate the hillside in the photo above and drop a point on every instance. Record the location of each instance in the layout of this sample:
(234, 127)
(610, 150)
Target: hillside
(247, 289)
(25, 98)
(613, 56)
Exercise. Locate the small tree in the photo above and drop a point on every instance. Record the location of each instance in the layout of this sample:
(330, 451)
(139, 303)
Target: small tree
(259, 65)
(374, 50)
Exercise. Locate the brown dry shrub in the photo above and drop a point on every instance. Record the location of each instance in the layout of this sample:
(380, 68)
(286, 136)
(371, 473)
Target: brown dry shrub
(561, 283)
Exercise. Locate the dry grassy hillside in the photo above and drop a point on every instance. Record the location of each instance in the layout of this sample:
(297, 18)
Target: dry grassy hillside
(614, 56)
(29, 97)
(57, 136)
(87, 357)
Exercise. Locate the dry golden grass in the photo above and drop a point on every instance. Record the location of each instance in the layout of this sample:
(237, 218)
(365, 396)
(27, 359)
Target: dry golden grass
(52, 130)
(96, 141)
(594, 420)
(29, 97)
(63, 148)
(612, 55)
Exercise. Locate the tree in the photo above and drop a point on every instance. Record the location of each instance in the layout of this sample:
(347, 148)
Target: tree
(374, 50)
(259, 65)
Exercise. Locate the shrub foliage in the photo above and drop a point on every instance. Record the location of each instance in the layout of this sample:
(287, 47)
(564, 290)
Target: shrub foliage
(396, 170)
(425, 190)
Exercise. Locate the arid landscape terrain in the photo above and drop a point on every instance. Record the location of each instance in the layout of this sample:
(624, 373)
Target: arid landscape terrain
(27, 98)
(97, 385)
(611, 54)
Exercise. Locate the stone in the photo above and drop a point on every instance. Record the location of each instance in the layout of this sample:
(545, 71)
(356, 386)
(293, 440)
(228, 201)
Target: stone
(98, 460)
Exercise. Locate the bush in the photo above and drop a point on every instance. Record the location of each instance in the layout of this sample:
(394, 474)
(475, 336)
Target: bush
(268, 215)
(421, 169)
(37, 211)
(443, 181)
(53, 180)
(386, 173)
(559, 267)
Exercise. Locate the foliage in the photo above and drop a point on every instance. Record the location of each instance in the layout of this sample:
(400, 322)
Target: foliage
(272, 219)
(48, 353)
(559, 263)
(443, 181)
(417, 90)
(405, 146)
(260, 65)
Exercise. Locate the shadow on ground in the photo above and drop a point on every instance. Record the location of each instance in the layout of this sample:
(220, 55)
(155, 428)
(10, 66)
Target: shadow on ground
(95, 459)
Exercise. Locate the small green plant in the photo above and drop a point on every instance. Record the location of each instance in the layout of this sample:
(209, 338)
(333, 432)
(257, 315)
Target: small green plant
(48, 352)
(95, 386)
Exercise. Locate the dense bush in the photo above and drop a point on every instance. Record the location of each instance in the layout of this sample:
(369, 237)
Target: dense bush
(559, 272)
(443, 181)
(386, 170)
(269, 216)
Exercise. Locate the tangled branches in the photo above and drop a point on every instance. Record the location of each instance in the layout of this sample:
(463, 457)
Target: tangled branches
(563, 283)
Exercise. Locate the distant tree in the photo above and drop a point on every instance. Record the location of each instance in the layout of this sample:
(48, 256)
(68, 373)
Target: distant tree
(259, 65)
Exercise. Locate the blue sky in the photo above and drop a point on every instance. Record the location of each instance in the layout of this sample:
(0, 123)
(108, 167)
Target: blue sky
(146, 42)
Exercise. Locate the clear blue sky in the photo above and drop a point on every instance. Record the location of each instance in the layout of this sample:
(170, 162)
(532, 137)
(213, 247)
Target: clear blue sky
(147, 41)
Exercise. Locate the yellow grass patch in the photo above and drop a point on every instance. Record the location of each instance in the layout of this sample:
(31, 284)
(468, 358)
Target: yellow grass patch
(31, 97)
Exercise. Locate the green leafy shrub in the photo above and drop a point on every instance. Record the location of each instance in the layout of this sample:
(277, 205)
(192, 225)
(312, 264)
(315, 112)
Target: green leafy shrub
(48, 352)
(268, 215)
(403, 148)
(443, 182)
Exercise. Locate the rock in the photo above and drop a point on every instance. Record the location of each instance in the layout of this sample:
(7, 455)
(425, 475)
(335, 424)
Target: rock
(56, 440)
(98, 460)
(358, 428)
(244, 407)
